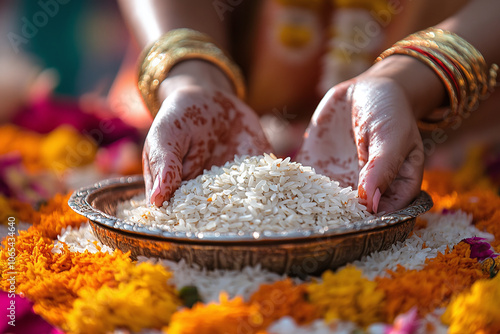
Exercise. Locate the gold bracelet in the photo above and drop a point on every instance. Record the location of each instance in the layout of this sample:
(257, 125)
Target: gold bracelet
(450, 87)
(457, 63)
(463, 56)
(176, 46)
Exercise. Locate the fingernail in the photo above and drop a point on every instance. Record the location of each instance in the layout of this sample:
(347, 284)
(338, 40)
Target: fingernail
(155, 191)
(376, 200)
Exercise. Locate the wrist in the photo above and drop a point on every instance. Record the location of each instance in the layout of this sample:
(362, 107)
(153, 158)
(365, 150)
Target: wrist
(195, 72)
(423, 88)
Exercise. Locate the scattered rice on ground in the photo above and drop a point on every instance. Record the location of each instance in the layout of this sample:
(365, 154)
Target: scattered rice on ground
(441, 231)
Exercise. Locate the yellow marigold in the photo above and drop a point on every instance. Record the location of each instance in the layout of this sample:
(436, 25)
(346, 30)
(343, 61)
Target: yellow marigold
(476, 310)
(284, 298)
(431, 287)
(491, 225)
(30, 247)
(66, 148)
(60, 149)
(227, 316)
(142, 299)
(26, 143)
(347, 295)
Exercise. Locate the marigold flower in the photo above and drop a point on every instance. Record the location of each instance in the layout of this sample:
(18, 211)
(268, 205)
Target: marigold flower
(284, 298)
(431, 287)
(227, 316)
(476, 310)
(14, 208)
(142, 299)
(346, 295)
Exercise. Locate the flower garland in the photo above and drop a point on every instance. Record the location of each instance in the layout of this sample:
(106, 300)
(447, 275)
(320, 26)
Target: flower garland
(66, 287)
(268, 304)
(438, 281)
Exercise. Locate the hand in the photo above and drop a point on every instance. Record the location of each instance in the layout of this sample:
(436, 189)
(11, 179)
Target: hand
(329, 144)
(195, 129)
(368, 121)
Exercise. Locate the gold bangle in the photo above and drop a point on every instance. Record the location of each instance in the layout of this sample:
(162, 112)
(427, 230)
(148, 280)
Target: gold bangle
(463, 56)
(176, 46)
(464, 50)
(460, 74)
(450, 87)
(457, 63)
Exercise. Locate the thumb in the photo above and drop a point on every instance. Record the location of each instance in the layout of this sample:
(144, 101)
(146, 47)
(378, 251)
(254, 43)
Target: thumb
(389, 181)
(375, 178)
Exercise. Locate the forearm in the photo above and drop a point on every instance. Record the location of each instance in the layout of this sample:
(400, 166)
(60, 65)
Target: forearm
(479, 24)
(148, 20)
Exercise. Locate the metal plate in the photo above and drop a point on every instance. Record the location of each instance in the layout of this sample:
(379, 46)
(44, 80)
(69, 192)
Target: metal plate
(296, 253)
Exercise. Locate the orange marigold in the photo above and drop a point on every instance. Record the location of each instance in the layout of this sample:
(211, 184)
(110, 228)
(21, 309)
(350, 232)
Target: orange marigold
(26, 143)
(284, 298)
(431, 287)
(22, 211)
(54, 151)
(227, 316)
(56, 215)
(52, 280)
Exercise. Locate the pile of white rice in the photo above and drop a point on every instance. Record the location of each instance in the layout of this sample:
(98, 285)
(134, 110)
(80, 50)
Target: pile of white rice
(251, 194)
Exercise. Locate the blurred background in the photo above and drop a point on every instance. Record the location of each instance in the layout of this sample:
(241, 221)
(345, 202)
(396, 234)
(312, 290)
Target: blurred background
(61, 125)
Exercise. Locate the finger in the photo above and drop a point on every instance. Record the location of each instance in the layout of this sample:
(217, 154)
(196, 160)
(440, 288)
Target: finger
(148, 179)
(406, 185)
(167, 147)
(166, 171)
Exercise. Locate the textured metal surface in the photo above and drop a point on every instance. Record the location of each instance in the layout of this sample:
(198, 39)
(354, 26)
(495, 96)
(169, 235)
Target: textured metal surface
(294, 252)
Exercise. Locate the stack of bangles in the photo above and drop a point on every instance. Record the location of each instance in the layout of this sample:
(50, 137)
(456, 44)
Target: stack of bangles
(459, 65)
(175, 46)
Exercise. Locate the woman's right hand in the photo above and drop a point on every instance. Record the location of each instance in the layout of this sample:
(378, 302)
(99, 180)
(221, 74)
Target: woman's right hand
(197, 127)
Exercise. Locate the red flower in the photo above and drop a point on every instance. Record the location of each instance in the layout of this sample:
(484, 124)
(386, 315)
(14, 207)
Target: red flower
(480, 249)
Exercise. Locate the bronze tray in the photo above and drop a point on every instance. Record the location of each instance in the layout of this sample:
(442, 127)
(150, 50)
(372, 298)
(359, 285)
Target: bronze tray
(297, 253)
